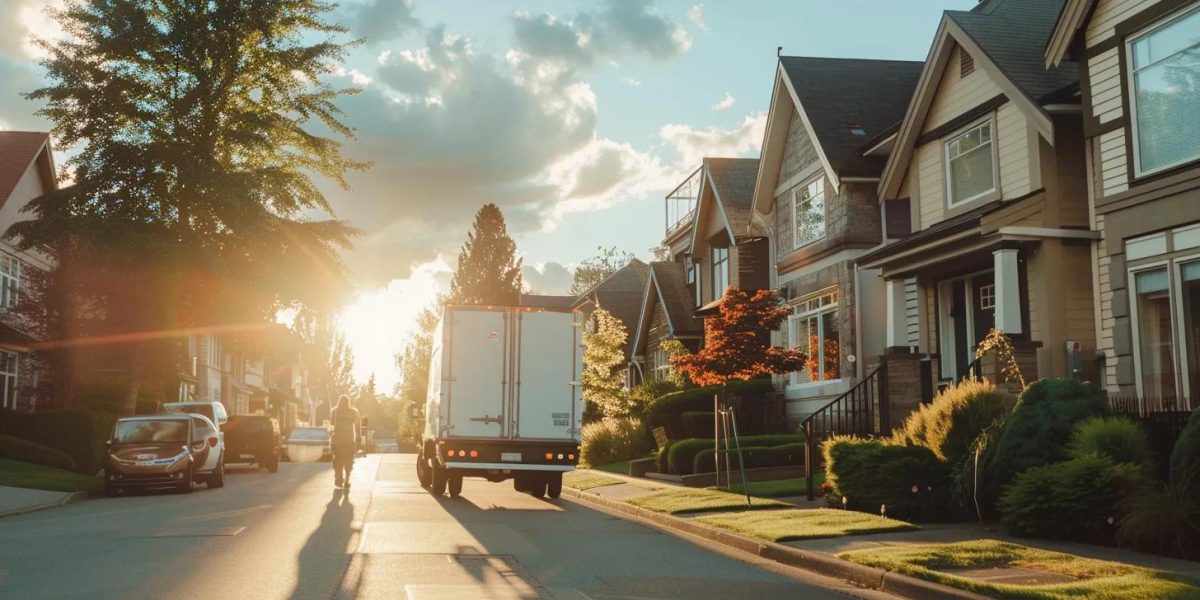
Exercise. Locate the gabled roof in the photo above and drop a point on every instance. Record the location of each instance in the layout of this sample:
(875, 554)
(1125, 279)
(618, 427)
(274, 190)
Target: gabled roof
(845, 96)
(731, 181)
(1070, 21)
(1006, 38)
(667, 287)
(541, 301)
(19, 150)
(844, 103)
(621, 295)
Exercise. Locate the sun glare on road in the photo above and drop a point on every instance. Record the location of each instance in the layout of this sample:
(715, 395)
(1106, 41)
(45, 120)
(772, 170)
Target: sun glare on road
(378, 323)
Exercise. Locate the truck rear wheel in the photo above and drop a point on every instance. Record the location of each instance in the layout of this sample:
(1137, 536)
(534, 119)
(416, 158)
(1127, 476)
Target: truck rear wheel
(455, 485)
(554, 485)
(423, 474)
(439, 480)
(539, 488)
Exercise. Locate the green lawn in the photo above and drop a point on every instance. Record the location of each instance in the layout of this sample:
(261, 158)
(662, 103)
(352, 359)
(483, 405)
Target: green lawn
(785, 525)
(688, 500)
(779, 488)
(586, 479)
(14, 473)
(621, 468)
(1095, 578)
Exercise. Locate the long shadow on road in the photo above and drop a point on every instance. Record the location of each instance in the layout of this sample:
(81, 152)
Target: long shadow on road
(326, 555)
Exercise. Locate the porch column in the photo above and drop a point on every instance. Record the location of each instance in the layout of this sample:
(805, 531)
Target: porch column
(1008, 291)
(897, 324)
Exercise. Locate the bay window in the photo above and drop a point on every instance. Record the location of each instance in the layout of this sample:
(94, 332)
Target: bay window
(813, 329)
(970, 164)
(1164, 74)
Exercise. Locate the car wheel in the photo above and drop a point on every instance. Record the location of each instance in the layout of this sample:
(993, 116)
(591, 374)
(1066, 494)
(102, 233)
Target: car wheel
(423, 474)
(272, 464)
(554, 486)
(217, 479)
(455, 485)
(110, 489)
(439, 480)
(188, 485)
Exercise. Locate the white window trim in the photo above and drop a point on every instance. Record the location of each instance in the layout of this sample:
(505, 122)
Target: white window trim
(723, 265)
(990, 119)
(1130, 86)
(1134, 319)
(796, 245)
(793, 382)
(5, 401)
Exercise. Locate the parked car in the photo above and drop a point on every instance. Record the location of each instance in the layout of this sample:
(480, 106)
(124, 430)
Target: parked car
(308, 444)
(252, 439)
(163, 451)
(215, 411)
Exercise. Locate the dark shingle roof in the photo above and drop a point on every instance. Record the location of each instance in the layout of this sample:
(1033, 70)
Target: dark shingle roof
(734, 180)
(677, 299)
(621, 295)
(841, 95)
(18, 149)
(1014, 34)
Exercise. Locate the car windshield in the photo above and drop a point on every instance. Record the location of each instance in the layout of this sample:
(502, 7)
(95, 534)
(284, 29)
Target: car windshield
(309, 433)
(199, 408)
(165, 431)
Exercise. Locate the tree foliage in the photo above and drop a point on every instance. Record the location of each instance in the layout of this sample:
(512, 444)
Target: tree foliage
(326, 355)
(736, 346)
(489, 270)
(596, 269)
(414, 379)
(603, 354)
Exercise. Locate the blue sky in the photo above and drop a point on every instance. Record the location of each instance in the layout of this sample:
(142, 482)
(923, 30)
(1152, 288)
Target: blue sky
(575, 117)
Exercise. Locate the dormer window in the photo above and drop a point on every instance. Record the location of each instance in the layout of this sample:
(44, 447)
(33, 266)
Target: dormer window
(970, 164)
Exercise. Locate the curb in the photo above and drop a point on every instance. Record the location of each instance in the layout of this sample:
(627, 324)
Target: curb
(70, 498)
(816, 562)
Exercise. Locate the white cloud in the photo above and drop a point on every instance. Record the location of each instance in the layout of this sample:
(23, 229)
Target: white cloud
(695, 14)
(692, 145)
(631, 81)
(725, 102)
(382, 20)
(547, 278)
(619, 28)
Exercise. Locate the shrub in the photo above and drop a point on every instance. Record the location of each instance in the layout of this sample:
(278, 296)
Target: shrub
(681, 457)
(1185, 458)
(32, 452)
(1075, 499)
(1164, 517)
(949, 425)
(666, 411)
(909, 480)
(753, 457)
(643, 395)
(1117, 438)
(793, 454)
(696, 424)
(79, 433)
(613, 440)
(1037, 431)
(661, 458)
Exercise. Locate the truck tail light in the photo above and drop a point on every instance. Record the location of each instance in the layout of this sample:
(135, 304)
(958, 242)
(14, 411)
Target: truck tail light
(474, 454)
(462, 453)
(570, 457)
(450, 453)
(549, 456)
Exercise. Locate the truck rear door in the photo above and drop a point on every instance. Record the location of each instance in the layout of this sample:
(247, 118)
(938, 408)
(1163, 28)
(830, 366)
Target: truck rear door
(549, 363)
(476, 383)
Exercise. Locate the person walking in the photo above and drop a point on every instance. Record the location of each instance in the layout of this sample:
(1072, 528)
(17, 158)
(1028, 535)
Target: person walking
(344, 441)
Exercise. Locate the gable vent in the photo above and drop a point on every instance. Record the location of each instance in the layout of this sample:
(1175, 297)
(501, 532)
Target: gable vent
(967, 65)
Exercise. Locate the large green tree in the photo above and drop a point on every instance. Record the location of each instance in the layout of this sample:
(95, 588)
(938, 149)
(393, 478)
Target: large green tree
(414, 380)
(200, 128)
(326, 355)
(489, 270)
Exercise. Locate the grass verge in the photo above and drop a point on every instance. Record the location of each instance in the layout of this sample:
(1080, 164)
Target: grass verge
(687, 500)
(15, 473)
(788, 525)
(1094, 578)
(621, 468)
(587, 479)
(779, 488)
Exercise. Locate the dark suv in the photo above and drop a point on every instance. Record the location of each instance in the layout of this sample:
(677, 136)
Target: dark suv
(254, 439)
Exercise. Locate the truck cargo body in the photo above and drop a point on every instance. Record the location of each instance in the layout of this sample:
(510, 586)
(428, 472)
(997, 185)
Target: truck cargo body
(504, 398)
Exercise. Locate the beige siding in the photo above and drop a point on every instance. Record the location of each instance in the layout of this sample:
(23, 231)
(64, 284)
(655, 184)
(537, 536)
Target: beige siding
(930, 168)
(1104, 72)
(1012, 137)
(1114, 175)
(1077, 296)
(1108, 13)
(956, 94)
(1107, 323)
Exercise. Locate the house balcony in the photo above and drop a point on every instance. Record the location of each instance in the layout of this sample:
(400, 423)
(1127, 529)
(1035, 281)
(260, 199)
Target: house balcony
(680, 206)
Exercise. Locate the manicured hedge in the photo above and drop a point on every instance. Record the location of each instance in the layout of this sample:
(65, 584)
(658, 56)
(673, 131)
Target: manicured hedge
(681, 458)
(909, 480)
(753, 457)
(668, 409)
(1116, 438)
(1185, 458)
(32, 452)
(79, 433)
(1075, 499)
(696, 423)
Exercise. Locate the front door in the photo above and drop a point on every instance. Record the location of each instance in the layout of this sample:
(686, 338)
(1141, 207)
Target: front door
(967, 307)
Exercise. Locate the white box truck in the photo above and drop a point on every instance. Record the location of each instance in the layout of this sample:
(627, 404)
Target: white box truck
(504, 400)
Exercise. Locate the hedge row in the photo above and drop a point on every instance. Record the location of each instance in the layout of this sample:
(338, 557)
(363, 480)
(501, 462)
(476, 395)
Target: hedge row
(906, 482)
(78, 432)
(753, 457)
(667, 411)
(32, 452)
(681, 455)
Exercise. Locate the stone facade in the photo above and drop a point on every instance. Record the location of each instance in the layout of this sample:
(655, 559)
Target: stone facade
(838, 277)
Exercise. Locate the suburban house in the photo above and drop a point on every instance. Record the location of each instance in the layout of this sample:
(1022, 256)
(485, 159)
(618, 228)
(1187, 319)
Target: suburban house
(987, 180)
(621, 295)
(726, 249)
(213, 372)
(26, 171)
(1140, 84)
(815, 195)
(667, 313)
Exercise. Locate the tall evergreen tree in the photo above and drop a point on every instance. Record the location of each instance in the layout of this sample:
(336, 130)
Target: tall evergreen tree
(604, 351)
(199, 128)
(489, 270)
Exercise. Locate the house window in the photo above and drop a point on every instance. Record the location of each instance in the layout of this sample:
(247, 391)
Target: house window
(1152, 290)
(808, 213)
(813, 329)
(8, 379)
(1189, 296)
(693, 275)
(1166, 93)
(720, 271)
(970, 164)
(662, 364)
(10, 280)
(987, 297)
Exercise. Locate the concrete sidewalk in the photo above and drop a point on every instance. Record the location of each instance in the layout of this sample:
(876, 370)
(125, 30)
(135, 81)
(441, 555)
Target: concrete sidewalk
(15, 501)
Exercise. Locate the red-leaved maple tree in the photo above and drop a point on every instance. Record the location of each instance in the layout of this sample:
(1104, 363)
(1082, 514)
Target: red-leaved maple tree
(735, 344)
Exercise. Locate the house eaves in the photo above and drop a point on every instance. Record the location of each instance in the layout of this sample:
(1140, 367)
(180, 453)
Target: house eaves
(1072, 18)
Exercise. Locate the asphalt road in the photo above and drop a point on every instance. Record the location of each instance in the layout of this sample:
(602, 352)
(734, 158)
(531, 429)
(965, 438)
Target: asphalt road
(290, 535)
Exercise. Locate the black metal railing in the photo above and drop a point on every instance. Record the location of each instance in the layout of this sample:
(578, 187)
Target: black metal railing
(862, 410)
(973, 370)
